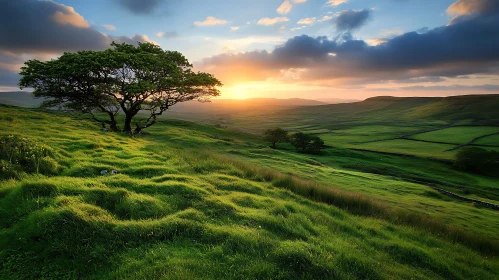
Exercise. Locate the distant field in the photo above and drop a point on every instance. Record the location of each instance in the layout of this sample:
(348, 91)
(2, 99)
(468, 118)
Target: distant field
(456, 135)
(489, 140)
(344, 137)
(316, 131)
(408, 147)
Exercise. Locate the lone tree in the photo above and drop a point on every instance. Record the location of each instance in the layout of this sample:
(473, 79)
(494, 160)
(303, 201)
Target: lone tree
(306, 143)
(274, 136)
(125, 78)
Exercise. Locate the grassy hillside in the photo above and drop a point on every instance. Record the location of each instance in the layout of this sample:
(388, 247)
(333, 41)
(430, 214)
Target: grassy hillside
(195, 201)
(462, 109)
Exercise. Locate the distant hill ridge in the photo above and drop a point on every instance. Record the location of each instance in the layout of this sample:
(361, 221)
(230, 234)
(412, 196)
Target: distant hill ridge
(479, 109)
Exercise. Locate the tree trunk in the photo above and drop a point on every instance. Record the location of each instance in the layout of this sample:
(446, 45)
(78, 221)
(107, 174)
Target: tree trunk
(113, 125)
(138, 129)
(128, 124)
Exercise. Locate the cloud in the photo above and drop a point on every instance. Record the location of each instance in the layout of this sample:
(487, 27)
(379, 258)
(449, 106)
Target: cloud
(285, 7)
(234, 28)
(109, 27)
(69, 16)
(167, 35)
(349, 20)
(464, 7)
(44, 30)
(376, 41)
(325, 18)
(334, 3)
(297, 28)
(139, 6)
(307, 21)
(485, 87)
(271, 21)
(466, 47)
(210, 21)
(45, 26)
(134, 39)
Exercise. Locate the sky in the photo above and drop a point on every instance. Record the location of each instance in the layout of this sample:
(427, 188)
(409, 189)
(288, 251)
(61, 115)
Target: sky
(316, 49)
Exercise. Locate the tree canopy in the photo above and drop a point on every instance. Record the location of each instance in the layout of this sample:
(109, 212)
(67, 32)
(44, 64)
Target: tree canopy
(124, 78)
(276, 135)
(477, 160)
(307, 143)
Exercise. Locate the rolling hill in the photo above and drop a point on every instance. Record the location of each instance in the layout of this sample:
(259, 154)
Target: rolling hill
(19, 98)
(476, 109)
(193, 201)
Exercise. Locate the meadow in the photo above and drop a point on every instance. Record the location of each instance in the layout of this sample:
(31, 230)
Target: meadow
(192, 200)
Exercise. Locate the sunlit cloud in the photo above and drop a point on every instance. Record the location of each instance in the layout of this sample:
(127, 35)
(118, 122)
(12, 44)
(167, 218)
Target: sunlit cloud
(334, 3)
(285, 7)
(210, 21)
(234, 28)
(69, 16)
(271, 21)
(376, 41)
(307, 21)
(109, 27)
(463, 7)
(325, 18)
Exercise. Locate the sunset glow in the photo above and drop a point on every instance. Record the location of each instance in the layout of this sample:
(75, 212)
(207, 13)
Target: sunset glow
(306, 48)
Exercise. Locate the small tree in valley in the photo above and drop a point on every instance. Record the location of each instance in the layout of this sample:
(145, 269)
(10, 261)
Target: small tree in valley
(276, 135)
(306, 143)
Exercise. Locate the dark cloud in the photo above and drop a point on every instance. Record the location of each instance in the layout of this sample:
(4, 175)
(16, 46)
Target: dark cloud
(351, 19)
(486, 87)
(140, 6)
(430, 79)
(44, 29)
(466, 47)
(45, 26)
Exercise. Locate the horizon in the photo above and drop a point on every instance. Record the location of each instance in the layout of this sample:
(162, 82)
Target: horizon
(309, 49)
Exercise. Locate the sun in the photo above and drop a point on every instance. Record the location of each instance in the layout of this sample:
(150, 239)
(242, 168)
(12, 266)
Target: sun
(236, 92)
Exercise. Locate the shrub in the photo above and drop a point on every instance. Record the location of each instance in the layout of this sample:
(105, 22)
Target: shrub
(20, 154)
(477, 160)
(306, 143)
(276, 135)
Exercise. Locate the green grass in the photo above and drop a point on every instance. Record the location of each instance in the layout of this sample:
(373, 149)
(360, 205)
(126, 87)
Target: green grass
(408, 147)
(489, 140)
(457, 135)
(194, 201)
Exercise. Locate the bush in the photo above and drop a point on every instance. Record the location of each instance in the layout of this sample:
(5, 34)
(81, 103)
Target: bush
(306, 143)
(274, 136)
(20, 154)
(477, 160)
